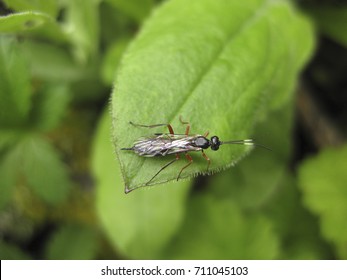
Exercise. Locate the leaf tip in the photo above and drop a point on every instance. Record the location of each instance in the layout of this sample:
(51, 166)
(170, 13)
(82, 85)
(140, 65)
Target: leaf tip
(127, 190)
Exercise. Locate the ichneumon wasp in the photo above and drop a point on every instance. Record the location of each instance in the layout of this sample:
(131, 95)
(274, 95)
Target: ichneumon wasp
(163, 144)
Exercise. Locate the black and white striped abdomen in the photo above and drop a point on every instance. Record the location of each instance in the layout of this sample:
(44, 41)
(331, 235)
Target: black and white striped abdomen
(164, 144)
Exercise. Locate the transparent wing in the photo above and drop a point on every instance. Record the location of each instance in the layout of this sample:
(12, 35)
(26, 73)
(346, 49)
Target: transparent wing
(164, 144)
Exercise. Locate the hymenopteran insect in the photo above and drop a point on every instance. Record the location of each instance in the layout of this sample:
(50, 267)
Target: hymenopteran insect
(163, 144)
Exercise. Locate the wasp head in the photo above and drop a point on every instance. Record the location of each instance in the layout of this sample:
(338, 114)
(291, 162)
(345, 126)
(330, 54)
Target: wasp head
(215, 143)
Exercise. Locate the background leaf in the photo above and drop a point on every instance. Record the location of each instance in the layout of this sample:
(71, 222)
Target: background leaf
(22, 21)
(11, 252)
(332, 21)
(141, 223)
(43, 170)
(297, 228)
(323, 182)
(32, 23)
(52, 63)
(47, 6)
(217, 229)
(14, 84)
(214, 63)
(50, 105)
(112, 59)
(73, 242)
(136, 9)
(8, 175)
(82, 26)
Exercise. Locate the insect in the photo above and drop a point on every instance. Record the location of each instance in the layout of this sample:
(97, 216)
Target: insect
(163, 144)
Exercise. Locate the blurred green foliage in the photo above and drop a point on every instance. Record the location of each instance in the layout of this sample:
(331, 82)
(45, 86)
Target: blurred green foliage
(61, 185)
(332, 21)
(325, 194)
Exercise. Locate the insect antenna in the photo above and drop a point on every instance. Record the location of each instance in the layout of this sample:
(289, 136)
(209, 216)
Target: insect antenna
(249, 142)
(127, 149)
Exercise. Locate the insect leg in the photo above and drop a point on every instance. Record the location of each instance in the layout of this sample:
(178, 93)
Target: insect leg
(207, 158)
(189, 158)
(188, 125)
(206, 133)
(155, 125)
(127, 149)
(166, 165)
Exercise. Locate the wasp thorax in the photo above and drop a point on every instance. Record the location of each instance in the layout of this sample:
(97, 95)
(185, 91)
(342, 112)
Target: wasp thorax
(202, 142)
(215, 143)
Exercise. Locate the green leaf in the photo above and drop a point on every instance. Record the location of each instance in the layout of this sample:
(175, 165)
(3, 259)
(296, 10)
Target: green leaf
(214, 63)
(52, 63)
(8, 137)
(47, 6)
(112, 59)
(217, 229)
(8, 175)
(331, 21)
(50, 106)
(323, 181)
(14, 84)
(296, 226)
(11, 252)
(114, 25)
(22, 21)
(39, 163)
(33, 23)
(136, 9)
(82, 26)
(43, 170)
(141, 223)
(73, 242)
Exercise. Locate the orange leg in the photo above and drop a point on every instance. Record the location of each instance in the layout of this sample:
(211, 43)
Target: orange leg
(188, 126)
(170, 129)
(155, 125)
(190, 159)
(207, 158)
(187, 130)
